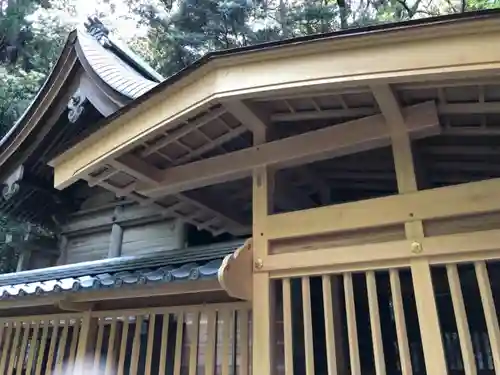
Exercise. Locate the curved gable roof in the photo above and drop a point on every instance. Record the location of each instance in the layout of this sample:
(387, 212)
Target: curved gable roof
(115, 72)
(120, 80)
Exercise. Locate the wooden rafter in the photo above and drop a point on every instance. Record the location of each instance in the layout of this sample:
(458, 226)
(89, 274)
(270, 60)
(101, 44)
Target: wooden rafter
(260, 127)
(182, 131)
(356, 65)
(443, 109)
(353, 136)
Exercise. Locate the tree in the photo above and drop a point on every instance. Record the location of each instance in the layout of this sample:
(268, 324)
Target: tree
(181, 31)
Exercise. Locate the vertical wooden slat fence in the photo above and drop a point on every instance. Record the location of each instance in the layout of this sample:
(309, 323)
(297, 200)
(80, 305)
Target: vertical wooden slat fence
(370, 320)
(208, 339)
(34, 346)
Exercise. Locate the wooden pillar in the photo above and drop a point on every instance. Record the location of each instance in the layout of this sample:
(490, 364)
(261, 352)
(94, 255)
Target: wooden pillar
(23, 261)
(63, 250)
(421, 272)
(116, 238)
(86, 342)
(263, 297)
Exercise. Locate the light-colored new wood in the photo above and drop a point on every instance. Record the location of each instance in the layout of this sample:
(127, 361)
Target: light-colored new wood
(489, 309)
(211, 343)
(164, 343)
(111, 354)
(98, 346)
(86, 342)
(475, 198)
(179, 336)
(32, 348)
(235, 272)
(227, 327)
(410, 54)
(243, 342)
(14, 351)
(464, 335)
(399, 318)
(52, 346)
(438, 249)
(136, 346)
(6, 348)
(331, 333)
(378, 347)
(61, 347)
(193, 347)
(352, 329)
(22, 349)
(430, 329)
(262, 293)
(123, 346)
(308, 328)
(41, 352)
(334, 141)
(149, 348)
(287, 326)
(73, 346)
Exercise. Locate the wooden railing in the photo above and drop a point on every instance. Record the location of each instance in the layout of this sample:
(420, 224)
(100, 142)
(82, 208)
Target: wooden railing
(209, 339)
(370, 322)
(39, 345)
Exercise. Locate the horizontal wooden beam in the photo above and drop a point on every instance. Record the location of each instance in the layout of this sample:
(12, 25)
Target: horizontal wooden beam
(139, 291)
(443, 109)
(334, 141)
(465, 199)
(410, 54)
(438, 249)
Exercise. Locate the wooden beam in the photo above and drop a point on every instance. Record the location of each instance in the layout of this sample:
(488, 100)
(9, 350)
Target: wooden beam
(260, 128)
(474, 197)
(410, 54)
(353, 136)
(437, 250)
(443, 109)
(414, 229)
(246, 115)
(401, 142)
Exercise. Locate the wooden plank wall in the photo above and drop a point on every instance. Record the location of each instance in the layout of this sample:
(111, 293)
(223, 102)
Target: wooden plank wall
(88, 232)
(152, 237)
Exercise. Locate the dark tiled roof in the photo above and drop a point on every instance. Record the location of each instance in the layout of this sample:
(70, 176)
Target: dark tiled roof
(172, 266)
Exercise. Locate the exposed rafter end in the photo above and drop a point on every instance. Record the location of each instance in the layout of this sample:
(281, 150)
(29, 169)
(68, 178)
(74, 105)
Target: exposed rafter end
(235, 273)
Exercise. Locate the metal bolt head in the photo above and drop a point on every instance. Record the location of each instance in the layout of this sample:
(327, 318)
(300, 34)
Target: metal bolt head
(416, 247)
(259, 264)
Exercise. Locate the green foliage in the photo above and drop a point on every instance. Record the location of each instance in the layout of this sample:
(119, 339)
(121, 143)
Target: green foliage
(181, 31)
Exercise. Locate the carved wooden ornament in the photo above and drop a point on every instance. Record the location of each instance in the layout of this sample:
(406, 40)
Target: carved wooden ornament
(235, 273)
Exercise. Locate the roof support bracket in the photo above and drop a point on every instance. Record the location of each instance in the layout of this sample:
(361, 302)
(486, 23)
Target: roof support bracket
(235, 273)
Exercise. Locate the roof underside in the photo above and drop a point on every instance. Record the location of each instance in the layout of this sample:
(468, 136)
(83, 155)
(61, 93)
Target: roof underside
(169, 149)
(466, 150)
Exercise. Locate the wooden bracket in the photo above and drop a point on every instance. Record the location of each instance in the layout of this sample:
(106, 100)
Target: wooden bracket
(235, 273)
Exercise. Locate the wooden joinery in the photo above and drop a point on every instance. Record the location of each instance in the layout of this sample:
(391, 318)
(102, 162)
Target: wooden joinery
(407, 182)
(410, 54)
(354, 136)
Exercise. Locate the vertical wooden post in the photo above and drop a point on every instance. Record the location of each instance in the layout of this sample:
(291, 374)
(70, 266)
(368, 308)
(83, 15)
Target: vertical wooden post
(63, 250)
(86, 342)
(263, 297)
(116, 237)
(23, 261)
(421, 272)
